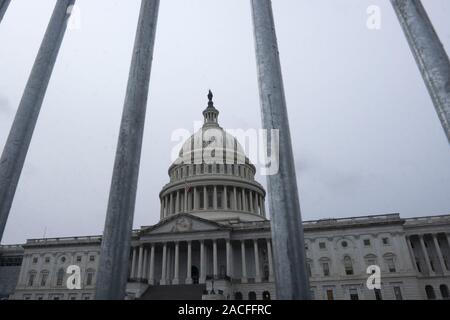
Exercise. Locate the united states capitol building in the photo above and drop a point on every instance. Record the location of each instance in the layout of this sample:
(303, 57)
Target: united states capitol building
(213, 241)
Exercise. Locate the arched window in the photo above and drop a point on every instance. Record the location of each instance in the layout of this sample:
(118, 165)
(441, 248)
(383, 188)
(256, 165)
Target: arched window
(238, 296)
(430, 293)
(444, 291)
(348, 266)
(60, 277)
(266, 295)
(252, 295)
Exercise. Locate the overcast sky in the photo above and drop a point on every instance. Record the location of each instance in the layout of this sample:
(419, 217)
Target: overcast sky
(366, 137)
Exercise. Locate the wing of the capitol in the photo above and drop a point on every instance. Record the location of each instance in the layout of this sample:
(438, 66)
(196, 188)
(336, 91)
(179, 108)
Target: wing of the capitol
(213, 242)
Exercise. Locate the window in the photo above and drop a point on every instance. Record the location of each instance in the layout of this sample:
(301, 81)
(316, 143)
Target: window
(322, 245)
(252, 295)
(31, 278)
(78, 258)
(63, 259)
(344, 244)
(90, 278)
(444, 292)
(44, 278)
(398, 293)
(266, 295)
(47, 259)
(35, 260)
(348, 264)
(354, 294)
(367, 242)
(238, 296)
(430, 293)
(330, 294)
(219, 199)
(386, 241)
(210, 198)
(378, 295)
(60, 277)
(326, 269)
(391, 264)
(92, 258)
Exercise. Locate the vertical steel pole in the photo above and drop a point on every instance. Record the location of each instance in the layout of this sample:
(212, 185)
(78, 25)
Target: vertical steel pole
(429, 53)
(3, 7)
(115, 249)
(287, 230)
(19, 139)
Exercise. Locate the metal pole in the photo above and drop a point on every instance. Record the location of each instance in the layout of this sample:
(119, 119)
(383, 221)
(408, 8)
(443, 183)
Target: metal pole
(3, 7)
(18, 142)
(287, 230)
(115, 249)
(429, 53)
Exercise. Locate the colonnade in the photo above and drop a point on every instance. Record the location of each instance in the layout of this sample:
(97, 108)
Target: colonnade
(214, 197)
(431, 247)
(143, 261)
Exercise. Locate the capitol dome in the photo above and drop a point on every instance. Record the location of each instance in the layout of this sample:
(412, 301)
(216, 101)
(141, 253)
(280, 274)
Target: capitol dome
(213, 178)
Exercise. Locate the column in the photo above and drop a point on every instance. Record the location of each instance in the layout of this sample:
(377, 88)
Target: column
(162, 209)
(189, 263)
(244, 204)
(258, 208)
(225, 198)
(411, 253)
(176, 279)
(257, 268)
(3, 7)
(165, 207)
(171, 204)
(215, 198)
(186, 199)
(429, 53)
(270, 259)
(263, 207)
(425, 254)
(235, 199)
(151, 275)
(250, 197)
(164, 263)
(20, 135)
(195, 199)
(289, 261)
(205, 198)
(244, 263)
(177, 203)
(439, 253)
(133, 264)
(141, 255)
(229, 262)
(215, 265)
(144, 267)
(202, 262)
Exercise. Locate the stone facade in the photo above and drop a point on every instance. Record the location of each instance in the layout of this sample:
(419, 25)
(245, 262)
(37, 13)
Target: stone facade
(214, 242)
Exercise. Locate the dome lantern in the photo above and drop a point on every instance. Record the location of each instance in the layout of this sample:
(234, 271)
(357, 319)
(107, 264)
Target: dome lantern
(211, 114)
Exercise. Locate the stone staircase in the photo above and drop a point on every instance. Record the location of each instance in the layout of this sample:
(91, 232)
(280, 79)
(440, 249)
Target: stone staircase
(174, 292)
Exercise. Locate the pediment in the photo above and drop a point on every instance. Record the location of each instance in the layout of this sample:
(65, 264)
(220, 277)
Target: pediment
(183, 223)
